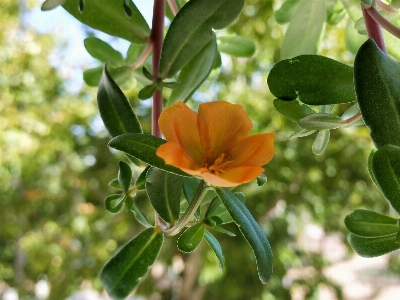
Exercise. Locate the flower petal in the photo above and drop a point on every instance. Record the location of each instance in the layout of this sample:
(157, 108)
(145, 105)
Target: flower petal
(255, 150)
(178, 123)
(220, 124)
(233, 176)
(173, 154)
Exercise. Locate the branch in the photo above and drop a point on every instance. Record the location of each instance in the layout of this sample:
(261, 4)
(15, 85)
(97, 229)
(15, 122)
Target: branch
(352, 120)
(383, 22)
(174, 8)
(387, 8)
(142, 58)
(373, 29)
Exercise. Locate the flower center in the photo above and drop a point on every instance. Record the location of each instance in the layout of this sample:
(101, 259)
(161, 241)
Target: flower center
(219, 164)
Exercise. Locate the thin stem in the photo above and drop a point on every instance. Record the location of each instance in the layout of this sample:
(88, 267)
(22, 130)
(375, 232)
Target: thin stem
(385, 7)
(142, 58)
(174, 8)
(383, 22)
(184, 220)
(373, 29)
(352, 120)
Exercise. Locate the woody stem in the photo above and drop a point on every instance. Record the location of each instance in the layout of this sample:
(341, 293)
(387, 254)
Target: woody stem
(373, 29)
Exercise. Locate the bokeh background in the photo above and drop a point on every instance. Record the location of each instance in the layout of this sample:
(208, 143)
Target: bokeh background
(55, 234)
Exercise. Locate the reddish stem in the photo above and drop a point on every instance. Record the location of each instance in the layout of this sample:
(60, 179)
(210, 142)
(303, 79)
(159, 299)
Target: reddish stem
(157, 37)
(394, 30)
(174, 8)
(373, 29)
(142, 58)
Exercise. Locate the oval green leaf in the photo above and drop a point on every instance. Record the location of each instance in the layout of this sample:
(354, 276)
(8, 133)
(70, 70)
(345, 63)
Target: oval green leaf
(191, 238)
(316, 80)
(369, 224)
(144, 147)
(236, 46)
(262, 179)
(114, 203)
(164, 191)
(372, 247)
(148, 91)
(140, 216)
(321, 142)
(191, 30)
(122, 272)
(109, 17)
(251, 232)
(293, 110)
(216, 247)
(124, 176)
(51, 4)
(141, 180)
(102, 51)
(320, 121)
(284, 14)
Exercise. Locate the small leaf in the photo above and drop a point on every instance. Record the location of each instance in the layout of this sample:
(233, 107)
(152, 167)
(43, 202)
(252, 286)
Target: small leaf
(140, 216)
(326, 109)
(351, 112)
(144, 147)
(251, 232)
(51, 4)
(98, 14)
(141, 181)
(164, 190)
(320, 122)
(369, 224)
(127, 9)
(377, 82)
(386, 169)
(191, 30)
(115, 184)
(284, 14)
(236, 46)
(102, 51)
(321, 142)
(301, 133)
(261, 180)
(81, 6)
(115, 110)
(133, 53)
(171, 84)
(148, 91)
(216, 247)
(191, 238)
(293, 110)
(223, 230)
(120, 75)
(215, 203)
(147, 74)
(122, 272)
(368, 3)
(369, 165)
(296, 77)
(372, 247)
(195, 72)
(310, 18)
(124, 176)
(114, 203)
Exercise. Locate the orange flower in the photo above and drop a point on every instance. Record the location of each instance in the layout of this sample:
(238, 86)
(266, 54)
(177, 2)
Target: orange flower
(214, 144)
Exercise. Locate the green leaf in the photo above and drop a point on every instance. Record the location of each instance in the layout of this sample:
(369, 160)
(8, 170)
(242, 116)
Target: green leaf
(216, 210)
(170, 84)
(223, 230)
(120, 75)
(109, 17)
(144, 147)
(114, 203)
(124, 176)
(326, 109)
(310, 18)
(284, 14)
(141, 181)
(301, 133)
(191, 238)
(115, 110)
(140, 216)
(316, 80)
(367, 223)
(103, 51)
(50, 4)
(251, 232)
(320, 122)
(133, 53)
(377, 82)
(148, 91)
(122, 272)
(115, 184)
(335, 12)
(216, 247)
(351, 112)
(191, 30)
(369, 165)
(147, 74)
(372, 247)
(293, 110)
(194, 73)
(321, 142)
(236, 46)
(368, 3)
(386, 169)
(164, 190)
(262, 179)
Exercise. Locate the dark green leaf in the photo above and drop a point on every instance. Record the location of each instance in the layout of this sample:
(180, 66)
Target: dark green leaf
(110, 18)
(129, 202)
(377, 81)
(372, 247)
(284, 14)
(191, 30)
(316, 80)
(140, 216)
(215, 203)
(216, 247)
(216, 210)
(124, 176)
(114, 203)
(261, 180)
(191, 238)
(141, 181)
(190, 185)
(147, 74)
(50, 4)
(120, 75)
(115, 110)
(103, 51)
(251, 232)
(236, 46)
(367, 223)
(320, 122)
(386, 169)
(148, 91)
(369, 165)
(171, 84)
(122, 272)
(309, 18)
(164, 190)
(115, 184)
(321, 142)
(127, 9)
(144, 147)
(223, 230)
(194, 73)
(293, 110)
(218, 61)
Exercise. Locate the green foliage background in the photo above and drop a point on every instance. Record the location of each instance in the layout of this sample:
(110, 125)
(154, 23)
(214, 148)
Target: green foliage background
(52, 218)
